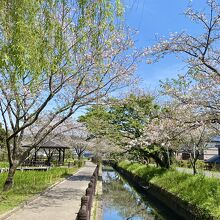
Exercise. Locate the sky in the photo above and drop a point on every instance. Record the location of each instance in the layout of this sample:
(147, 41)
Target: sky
(159, 17)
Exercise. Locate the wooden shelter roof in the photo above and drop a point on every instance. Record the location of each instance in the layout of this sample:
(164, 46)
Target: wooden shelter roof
(49, 144)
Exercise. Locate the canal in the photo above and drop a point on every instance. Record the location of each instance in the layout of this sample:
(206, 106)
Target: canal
(122, 201)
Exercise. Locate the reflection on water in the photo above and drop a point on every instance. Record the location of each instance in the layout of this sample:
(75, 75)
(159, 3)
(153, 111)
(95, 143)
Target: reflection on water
(122, 202)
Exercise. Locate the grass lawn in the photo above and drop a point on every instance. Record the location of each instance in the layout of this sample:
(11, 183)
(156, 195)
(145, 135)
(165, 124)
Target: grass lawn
(3, 164)
(196, 189)
(28, 184)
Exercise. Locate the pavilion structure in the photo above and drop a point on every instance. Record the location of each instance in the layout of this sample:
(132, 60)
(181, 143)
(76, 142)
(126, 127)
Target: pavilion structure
(50, 148)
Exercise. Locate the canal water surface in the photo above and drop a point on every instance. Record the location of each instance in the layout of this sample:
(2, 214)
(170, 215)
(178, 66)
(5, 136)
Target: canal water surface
(123, 202)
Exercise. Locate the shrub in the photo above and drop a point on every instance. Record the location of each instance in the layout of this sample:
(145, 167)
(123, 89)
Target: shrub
(80, 163)
(200, 164)
(4, 164)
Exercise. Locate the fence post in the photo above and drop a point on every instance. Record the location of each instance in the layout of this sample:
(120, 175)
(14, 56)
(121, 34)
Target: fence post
(92, 186)
(83, 214)
(93, 179)
(88, 192)
(84, 201)
(95, 173)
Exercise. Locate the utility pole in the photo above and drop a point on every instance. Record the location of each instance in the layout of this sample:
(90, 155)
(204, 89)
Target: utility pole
(168, 155)
(194, 150)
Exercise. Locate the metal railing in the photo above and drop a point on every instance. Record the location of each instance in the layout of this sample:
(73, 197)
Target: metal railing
(86, 201)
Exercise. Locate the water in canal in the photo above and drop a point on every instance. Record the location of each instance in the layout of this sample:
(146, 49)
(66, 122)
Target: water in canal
(123, 202)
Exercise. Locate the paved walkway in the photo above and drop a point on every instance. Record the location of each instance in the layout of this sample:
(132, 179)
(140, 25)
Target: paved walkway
(206, 173)
(62, 202)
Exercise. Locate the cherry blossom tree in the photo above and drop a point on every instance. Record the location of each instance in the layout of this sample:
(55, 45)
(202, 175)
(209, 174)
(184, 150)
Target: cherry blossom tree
(200, 85)
(76, 137)
(202, 50)
(197, 91)
(56, 57)
(177, 128)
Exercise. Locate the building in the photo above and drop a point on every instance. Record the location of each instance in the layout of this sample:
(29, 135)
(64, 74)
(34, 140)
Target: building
(212, 152)
(185, 155)
(213, 148)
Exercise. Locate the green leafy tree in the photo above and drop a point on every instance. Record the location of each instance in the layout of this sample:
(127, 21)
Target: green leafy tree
(56, 57)
(121, 121)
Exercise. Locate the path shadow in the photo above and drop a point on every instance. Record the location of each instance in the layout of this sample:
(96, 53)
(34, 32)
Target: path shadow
(54, 199)
(79, 178)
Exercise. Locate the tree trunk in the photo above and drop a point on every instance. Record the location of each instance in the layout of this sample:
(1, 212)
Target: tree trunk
(79, 156)
(194, 167)
(10, 179)
(161, 162)
(193, 160)
(161, 158)
(166, 159)
(48, 162)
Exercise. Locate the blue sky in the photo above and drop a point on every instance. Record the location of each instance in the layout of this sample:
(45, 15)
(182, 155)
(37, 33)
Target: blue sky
(160, 17)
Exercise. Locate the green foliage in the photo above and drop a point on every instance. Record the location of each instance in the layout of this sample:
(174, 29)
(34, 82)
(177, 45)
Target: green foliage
(3, 153)
(4, 164)
(29, 183)
(122, 119)
(97, 120)
(2, 136)
(196, 189)
(35, 43)
(27, 49)
(132, 114)
(80, 163)
(199, 190)
(200, 164)
(182, 163)
(144, 171)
